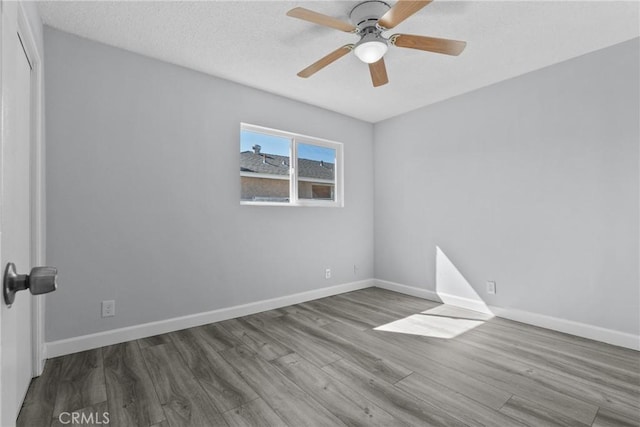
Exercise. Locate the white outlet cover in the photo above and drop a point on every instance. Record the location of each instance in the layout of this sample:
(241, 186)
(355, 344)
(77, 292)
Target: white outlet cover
(108, 308)
(491, 287)
(327, 273)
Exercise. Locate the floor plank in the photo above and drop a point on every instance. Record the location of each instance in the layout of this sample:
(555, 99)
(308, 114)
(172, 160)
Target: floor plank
(471, 387)
(608, 392)
(337, 315)
(255, 339)
(572, 377)
(254, 413)
(456, 404)
(132, 398)
(500, 373)
(400, 404)
(288, 400)
(388, 312)
(397, 300)
(81, 382)
(589, 365)
(184, 402)
(217, 337)
(154, 340)
(575, 344)
(281, 331)
(606, 418)
(313, 316)
(343, 401)
(226, 389)
(37, 409)
(348, 310)
(534, 414)
(382, 367)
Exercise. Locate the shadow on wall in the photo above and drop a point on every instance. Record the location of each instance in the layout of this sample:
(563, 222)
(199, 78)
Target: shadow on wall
(452, 318)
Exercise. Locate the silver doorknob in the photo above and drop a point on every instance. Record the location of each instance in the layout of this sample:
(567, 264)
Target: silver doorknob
(40, 280)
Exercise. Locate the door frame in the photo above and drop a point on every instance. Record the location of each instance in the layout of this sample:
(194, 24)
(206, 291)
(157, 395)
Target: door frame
(37, 190)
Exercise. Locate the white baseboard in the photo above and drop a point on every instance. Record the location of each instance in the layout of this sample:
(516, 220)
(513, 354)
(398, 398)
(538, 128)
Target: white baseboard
(407, 290)
(597, 333)
(115, 336)
(469, 304)
(609, 336)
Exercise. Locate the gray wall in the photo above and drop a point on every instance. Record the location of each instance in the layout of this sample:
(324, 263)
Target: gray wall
(143, 193)
(532, 182)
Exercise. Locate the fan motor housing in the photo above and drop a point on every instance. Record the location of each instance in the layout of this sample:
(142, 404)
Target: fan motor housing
(366, 14)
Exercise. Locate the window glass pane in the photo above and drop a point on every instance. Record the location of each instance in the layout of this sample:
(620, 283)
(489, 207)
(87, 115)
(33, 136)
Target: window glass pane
(264, 167)
(316, 172)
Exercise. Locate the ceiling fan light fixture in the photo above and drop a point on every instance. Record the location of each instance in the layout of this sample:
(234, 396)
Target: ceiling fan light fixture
(371, 50)
(369, 19)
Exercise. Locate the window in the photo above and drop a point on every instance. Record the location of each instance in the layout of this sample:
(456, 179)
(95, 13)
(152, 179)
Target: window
(286, 169)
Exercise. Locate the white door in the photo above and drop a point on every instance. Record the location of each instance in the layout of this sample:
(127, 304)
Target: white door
(15, 216)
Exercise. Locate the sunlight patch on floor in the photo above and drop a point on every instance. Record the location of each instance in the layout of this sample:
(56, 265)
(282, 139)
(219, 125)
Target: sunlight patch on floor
(444, 321)
(457, 312)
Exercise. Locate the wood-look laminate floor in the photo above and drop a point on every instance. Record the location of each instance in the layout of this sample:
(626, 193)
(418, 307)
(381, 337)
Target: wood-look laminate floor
(324, 363)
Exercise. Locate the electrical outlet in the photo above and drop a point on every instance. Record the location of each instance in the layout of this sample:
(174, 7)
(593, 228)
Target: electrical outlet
(327, 273)
(355, 269)
(491, 287)
(108, 308)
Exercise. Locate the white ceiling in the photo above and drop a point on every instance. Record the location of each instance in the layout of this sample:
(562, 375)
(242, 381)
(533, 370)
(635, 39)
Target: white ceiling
(254, 43)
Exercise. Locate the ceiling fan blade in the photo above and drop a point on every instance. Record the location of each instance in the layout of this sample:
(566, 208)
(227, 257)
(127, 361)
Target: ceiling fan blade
(430, 44)
(378, 73)
(323, 62)
(401, 11)
(321, 19)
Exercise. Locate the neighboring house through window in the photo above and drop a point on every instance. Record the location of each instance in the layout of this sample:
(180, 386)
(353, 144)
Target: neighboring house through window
(284, 168)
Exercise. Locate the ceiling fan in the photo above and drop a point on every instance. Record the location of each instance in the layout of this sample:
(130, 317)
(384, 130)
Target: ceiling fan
(369, 20)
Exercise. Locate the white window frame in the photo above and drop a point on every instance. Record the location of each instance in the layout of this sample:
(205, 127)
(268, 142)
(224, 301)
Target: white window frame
(294, 140)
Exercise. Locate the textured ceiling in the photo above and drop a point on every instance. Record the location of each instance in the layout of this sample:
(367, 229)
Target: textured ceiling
(254, 43)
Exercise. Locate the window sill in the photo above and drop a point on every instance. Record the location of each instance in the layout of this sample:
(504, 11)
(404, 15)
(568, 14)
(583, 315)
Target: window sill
(308, 204)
